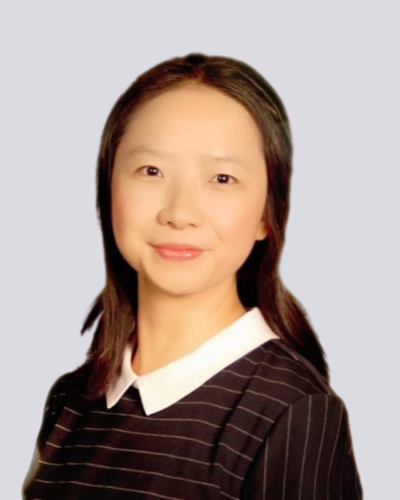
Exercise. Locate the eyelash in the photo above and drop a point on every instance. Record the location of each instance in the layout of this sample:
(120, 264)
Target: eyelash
(221, 184)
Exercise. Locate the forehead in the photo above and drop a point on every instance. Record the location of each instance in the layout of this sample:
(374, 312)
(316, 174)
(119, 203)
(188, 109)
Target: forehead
(193, 118)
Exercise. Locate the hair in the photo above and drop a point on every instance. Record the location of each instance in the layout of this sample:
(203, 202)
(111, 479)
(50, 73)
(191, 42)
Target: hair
(258, 280)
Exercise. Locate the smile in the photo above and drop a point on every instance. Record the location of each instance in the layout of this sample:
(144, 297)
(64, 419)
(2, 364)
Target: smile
(178, 255)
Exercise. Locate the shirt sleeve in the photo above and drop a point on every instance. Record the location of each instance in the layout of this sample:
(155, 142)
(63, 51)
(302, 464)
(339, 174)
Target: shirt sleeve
(52, 407)
(308, 455)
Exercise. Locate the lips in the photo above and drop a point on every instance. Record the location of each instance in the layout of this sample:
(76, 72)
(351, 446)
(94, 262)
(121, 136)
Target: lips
(177, 252)
(178, 247)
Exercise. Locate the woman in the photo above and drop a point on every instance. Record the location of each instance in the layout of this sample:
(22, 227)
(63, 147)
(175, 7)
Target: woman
(204, 378)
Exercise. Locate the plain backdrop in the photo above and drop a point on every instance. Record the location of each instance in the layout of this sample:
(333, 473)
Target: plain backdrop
(335, 66)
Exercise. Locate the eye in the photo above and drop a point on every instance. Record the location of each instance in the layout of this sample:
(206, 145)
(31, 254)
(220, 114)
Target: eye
(224, 177)
(152, 171)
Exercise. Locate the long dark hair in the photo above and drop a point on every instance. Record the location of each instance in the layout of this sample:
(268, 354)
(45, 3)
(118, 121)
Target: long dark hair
(258, 280)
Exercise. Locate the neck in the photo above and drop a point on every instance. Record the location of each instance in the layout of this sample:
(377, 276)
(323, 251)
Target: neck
(169, 327)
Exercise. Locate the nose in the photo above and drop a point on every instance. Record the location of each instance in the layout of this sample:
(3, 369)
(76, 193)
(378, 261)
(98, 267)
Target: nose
(181, 207)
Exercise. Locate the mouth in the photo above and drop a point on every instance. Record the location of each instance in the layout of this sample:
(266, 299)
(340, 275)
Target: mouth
(178, 254)
(178, 247)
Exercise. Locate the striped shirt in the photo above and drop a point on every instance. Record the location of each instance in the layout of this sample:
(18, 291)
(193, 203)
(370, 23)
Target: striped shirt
(266, 426)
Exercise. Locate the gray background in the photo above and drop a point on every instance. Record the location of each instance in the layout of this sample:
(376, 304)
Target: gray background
(336, 68)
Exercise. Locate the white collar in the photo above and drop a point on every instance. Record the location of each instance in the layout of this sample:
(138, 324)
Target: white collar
(168, 384)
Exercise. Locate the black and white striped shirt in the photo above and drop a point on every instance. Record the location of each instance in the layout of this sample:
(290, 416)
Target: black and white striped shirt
(265, 426)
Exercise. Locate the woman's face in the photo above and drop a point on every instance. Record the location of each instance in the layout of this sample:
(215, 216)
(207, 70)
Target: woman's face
(189, 169)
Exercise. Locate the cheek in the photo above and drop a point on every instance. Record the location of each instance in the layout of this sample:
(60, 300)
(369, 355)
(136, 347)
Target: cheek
(125, 217)
(239, 227)
(119, 214)
(128, 209)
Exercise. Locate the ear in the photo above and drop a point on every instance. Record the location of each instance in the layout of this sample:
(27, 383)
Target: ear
(262, 232)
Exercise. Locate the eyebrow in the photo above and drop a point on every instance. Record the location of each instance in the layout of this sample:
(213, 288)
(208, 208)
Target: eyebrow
(164, 154)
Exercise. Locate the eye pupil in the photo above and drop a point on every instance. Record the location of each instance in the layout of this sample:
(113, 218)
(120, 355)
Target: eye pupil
(152, 170)
(225, 177)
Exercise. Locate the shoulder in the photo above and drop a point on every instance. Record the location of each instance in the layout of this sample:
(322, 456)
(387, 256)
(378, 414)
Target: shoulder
(291, 373)
(75, 380)
(63, 388)
(282, 380)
